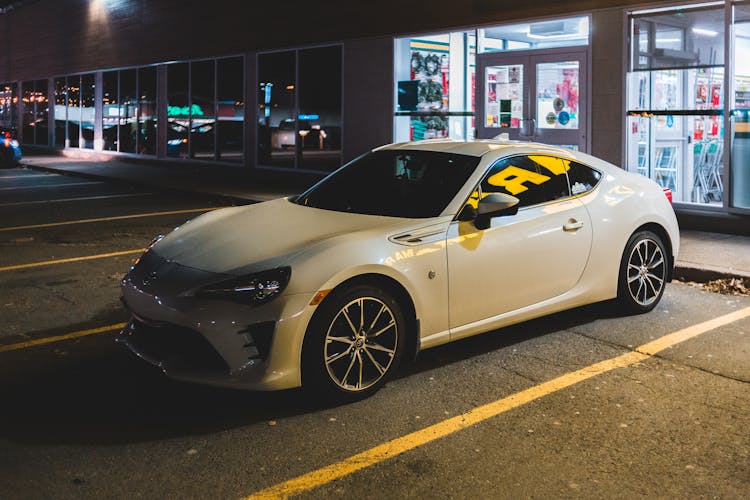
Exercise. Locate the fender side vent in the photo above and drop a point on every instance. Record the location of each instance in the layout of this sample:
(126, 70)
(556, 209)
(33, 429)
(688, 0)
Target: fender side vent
(259, 337)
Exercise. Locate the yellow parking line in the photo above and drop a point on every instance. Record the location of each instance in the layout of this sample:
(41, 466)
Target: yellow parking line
(395, 447)
(72, 259)
(103, 219)
(67, 336)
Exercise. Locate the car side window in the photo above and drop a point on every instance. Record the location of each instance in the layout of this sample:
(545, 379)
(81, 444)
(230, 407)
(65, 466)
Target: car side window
(532, 179)
(582, 178)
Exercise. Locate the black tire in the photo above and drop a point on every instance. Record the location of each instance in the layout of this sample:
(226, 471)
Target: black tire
(353, 345)
(643, 273)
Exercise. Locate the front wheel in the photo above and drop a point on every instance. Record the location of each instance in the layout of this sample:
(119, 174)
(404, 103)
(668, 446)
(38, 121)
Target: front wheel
(643, 273)
(353, 345)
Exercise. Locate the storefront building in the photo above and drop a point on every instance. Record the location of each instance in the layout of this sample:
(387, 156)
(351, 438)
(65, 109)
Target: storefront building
(661, 89)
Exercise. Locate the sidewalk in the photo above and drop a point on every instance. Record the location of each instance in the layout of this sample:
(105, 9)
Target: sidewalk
(703, 256)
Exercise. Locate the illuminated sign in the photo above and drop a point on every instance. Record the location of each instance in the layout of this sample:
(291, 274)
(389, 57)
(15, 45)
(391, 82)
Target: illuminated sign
(193, 110)
(308, 117)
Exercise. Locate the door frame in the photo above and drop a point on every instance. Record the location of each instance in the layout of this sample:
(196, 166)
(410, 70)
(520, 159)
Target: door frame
(529, 58)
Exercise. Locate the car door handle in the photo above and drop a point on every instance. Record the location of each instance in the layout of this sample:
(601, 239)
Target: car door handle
(573, 225)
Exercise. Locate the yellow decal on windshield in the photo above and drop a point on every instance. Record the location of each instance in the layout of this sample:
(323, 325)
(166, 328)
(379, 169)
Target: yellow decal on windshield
(512, 178)
(557, 166)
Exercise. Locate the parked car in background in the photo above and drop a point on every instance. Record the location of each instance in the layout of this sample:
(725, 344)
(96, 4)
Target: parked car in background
(10, 149)
(405, 248)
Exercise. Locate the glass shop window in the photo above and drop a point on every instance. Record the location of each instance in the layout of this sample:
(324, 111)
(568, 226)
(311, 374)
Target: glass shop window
(8, 100)
(147, 111)
(88, 111)
(74, 111)
(202, 113)
(435, 86)
(110, 110)
(230, 92)
(675, 101)
(61, 111)
(535, 35)
(299, 108)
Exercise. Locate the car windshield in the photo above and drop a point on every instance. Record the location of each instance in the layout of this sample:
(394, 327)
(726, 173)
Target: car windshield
(395, 183)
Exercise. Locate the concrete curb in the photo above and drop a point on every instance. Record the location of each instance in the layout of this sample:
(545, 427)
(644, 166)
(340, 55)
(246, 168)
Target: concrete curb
(704, 275)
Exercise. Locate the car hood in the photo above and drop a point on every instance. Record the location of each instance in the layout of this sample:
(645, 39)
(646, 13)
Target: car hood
(269, 234)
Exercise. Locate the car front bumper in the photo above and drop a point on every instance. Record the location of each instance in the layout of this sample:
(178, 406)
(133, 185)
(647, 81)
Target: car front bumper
(211, 341)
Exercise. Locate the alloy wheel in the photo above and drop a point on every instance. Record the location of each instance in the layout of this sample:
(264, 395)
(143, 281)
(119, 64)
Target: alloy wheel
(646, 272)
(361, 343)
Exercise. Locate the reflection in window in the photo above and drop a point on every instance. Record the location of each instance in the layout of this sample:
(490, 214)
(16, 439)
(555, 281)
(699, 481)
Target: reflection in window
(230, 93)
(110, 110)
(147, 111)
(8, 100)
(128, 114)
(28, 112)
(74, 111)
(88, 115)
(178, 110)
(319, 116)
(202, 119)
(61, 111)
(678, 38)
(532, 180)
(41, 113)
(276, 101)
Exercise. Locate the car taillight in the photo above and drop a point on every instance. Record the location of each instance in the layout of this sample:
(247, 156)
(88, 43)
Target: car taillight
(668, 194)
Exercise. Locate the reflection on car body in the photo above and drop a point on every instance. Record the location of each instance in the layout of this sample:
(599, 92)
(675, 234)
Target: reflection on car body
(405, 248)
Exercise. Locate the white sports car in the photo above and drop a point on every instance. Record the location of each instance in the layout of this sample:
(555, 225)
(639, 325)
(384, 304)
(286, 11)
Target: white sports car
(407, 247)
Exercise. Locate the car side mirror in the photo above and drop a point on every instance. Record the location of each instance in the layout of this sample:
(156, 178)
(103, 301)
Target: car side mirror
(495, 205)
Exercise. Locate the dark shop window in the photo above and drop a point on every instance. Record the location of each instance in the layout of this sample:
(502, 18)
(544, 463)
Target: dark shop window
(88, 113)
(276, 114)
(147, 111)
(74, 111)
(110, 110)
(319, 115)
(178, 110)
(41, 113)
(61, 111)
(128, 114)
(202, 115)
(230, 78)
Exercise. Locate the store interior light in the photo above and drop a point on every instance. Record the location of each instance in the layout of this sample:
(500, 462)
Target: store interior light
(705, 32)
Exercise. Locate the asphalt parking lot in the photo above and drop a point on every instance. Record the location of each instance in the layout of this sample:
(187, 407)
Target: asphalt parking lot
(584, 403)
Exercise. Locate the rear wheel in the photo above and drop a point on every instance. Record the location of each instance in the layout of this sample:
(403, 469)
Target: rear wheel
(353, 345)
(643, 273)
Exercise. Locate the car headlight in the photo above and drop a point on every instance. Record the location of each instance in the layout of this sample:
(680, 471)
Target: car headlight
(254, 289)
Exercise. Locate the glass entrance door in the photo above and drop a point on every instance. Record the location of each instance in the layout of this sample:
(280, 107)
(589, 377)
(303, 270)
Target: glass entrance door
(534, 97)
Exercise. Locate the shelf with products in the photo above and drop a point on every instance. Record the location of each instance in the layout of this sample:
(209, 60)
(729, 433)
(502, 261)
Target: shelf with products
(742, 92)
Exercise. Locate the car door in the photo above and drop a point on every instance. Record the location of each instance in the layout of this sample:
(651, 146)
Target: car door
(522, 259)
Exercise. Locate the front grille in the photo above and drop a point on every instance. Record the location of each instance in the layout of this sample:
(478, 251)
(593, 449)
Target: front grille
(172, 347)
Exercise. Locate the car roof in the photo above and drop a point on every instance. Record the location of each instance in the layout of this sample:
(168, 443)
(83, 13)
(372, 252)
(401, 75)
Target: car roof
(478, 147)
(499, 148)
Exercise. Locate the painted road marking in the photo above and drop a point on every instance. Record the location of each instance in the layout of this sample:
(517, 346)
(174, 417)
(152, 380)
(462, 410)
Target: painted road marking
(26, 176)
(103, 219)
(59, 338)
(72, 259)
(10, 188)
(104, 197)
(395, 447)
